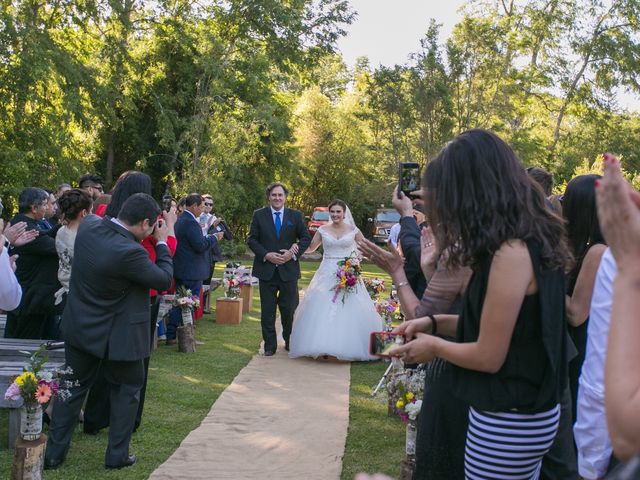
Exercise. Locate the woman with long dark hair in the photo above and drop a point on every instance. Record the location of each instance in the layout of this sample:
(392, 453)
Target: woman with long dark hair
(587, 246)
(509, 357)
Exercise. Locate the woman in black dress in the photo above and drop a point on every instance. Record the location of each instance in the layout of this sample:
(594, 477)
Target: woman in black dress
(510, 353)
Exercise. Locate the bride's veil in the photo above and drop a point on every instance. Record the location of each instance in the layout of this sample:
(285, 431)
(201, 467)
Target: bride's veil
(348, 218)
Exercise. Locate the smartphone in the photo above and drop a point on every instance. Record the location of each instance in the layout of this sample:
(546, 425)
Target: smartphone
(381, 344)
(408, 177)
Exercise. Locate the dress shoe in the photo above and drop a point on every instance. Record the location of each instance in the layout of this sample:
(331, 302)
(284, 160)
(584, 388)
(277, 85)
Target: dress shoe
(130, 460)
(172, 341)
(286, 346)
(269, 353)
(52, 463)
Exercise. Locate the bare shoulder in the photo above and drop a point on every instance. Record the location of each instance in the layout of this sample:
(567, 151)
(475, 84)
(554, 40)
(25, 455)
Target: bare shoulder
(512, 250)
(513, 258)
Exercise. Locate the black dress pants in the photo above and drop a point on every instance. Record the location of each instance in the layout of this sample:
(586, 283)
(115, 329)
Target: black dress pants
(284, 295)
(98, 409)
(125, 379)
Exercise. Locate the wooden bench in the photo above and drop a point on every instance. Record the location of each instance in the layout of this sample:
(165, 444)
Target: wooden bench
(3, 324)
(12, 361)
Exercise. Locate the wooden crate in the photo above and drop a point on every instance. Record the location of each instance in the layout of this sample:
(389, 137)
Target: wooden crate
(229, 310)
(246, 294)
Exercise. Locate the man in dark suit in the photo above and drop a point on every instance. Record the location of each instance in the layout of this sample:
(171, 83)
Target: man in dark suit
(278, 237)
(37, 270)
(106, 321)
(192, 260)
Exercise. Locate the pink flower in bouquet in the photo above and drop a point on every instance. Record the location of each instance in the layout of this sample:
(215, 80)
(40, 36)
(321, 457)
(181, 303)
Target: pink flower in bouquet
(43, 393)
(13, 392)
(351, 281)
(52, 385)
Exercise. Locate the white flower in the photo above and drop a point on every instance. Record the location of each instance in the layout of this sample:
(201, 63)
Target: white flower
(413, 409)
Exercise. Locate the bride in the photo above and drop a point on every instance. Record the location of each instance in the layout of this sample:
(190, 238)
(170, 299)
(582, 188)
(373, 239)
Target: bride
(322, 326)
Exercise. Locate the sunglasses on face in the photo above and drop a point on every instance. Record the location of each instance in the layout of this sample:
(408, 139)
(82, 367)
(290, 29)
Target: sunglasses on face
(208, 204)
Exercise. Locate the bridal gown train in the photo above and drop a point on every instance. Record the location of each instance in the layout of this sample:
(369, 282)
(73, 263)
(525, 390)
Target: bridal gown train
(322, 327)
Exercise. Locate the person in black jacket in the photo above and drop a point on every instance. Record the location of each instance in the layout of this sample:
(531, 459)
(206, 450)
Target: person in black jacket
(106, 321)
(192, 259)
(37, 270)
(278, 237)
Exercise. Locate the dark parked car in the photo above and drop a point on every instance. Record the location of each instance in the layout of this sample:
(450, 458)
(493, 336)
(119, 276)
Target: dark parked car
(382, 222)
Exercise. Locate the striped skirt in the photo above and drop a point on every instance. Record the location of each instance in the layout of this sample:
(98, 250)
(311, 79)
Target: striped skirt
(503, 446)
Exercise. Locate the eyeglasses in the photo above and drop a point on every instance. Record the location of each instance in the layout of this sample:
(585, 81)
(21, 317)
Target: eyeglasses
(208, 204)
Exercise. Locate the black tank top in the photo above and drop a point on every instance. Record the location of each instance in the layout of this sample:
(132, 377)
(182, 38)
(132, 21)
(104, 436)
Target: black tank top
(535, 369)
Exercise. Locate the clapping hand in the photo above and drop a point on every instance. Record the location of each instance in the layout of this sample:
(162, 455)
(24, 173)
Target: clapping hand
(388, 260)
(619, 215)
(429, 252)
(17, 234)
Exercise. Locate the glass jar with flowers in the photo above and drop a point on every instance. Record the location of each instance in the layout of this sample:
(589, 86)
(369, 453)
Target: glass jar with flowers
(36, 387)
(187, 303)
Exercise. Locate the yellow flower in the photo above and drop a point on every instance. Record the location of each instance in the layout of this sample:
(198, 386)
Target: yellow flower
(399, 404)
(24, 377)
(410, 396)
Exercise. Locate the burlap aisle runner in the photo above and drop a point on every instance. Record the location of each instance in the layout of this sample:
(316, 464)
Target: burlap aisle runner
(279, 419)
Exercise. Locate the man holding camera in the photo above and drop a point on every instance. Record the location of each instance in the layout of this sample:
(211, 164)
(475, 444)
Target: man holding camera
(106, 323)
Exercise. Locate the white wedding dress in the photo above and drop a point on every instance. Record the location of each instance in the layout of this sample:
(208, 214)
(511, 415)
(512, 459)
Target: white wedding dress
(322, 327)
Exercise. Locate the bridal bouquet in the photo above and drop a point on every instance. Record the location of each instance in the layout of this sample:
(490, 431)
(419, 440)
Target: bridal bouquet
(348, 273)
(37, 386)
(375, 286)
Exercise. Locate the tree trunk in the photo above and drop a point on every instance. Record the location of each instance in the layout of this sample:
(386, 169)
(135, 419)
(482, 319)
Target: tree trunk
(186, 339)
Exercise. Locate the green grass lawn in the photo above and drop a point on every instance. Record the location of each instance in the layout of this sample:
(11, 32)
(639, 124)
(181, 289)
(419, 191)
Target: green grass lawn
(183, 387)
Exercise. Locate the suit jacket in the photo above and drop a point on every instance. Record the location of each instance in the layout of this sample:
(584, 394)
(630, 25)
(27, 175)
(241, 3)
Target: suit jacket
(37, 270)
(107, 310)
(192, 260)
(410, 233)
(262, 240)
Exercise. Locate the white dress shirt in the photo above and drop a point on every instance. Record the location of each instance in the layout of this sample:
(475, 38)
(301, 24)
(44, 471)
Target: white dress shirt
(394, 234)
(590, 430)
(273, 215)
(10, 290)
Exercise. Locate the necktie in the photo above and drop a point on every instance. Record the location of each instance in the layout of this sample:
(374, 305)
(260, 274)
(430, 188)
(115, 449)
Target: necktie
(278, 224)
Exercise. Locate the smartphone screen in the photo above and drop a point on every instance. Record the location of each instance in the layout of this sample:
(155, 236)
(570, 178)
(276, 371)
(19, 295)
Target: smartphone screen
(382, 343)
(409, 177)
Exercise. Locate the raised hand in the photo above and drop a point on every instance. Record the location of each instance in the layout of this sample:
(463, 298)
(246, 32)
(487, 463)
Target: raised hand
(389, 261)
(619, 215)
(18, 235)
(429, 252)
(403, 205)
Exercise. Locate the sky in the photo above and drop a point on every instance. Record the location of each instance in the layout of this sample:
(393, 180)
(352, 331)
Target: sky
(388, 31)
